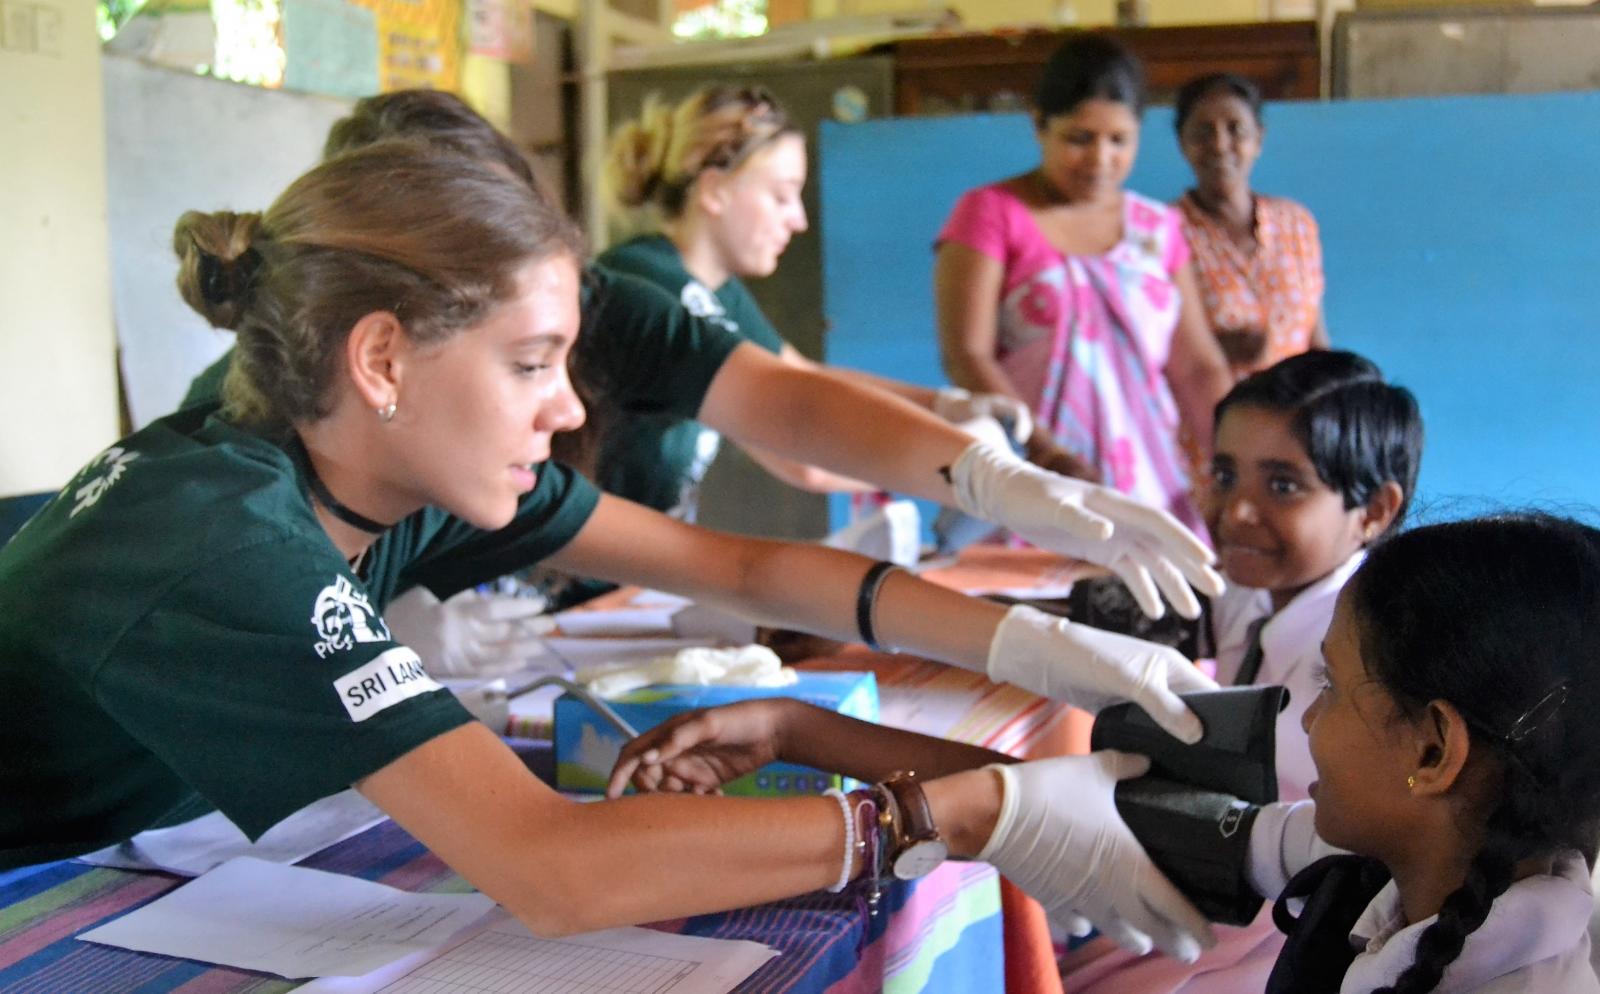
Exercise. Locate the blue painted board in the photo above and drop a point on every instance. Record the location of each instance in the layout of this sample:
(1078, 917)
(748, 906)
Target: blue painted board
(1461, 239)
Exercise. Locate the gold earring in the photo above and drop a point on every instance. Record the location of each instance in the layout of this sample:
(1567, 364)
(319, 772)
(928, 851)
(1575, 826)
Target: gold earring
(1411, 783)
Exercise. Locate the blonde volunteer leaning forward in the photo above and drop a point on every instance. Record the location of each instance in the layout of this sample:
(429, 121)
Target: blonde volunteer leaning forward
(206, 594)
(657, 365)
(717, 178)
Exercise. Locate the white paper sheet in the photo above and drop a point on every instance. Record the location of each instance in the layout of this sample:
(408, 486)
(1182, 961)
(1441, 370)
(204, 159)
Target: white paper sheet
(201, 845)
(503, 957)
(659, 598)
(584, 653)
(632, 622)
(1041, 592)
(291, 921)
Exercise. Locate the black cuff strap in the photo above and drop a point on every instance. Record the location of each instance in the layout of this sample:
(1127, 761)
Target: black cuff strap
(1200, 839)
(867, 596)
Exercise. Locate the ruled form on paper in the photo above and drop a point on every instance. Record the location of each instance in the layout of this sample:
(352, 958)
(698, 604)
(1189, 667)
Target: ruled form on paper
(293, 921)
(503, 957)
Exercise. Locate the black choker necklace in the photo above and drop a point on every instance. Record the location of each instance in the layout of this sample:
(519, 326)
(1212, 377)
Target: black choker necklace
(319, 490)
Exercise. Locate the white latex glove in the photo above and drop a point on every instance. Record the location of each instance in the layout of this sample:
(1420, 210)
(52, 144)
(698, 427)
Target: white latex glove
(1090, 668)
(1060, 839)
(1147, 547)
(987, 430)
(470, 634)
(957, 405)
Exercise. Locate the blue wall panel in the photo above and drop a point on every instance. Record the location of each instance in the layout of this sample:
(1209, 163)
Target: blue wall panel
(1462, 245)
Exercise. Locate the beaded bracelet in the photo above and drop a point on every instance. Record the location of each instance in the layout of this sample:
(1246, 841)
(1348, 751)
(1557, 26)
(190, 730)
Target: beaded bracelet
(849, 840)
(872, 830)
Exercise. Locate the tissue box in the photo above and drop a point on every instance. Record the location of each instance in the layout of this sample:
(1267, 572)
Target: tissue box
(587, 746)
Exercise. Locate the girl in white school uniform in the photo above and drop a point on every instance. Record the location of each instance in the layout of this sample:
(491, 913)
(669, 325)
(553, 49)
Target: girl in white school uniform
(1313, 458)
(1458, 756)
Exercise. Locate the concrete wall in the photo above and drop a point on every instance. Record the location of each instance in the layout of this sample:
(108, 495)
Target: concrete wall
(58, 390)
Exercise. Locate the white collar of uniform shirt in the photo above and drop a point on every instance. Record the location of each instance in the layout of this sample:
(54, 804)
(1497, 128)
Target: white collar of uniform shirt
(1539, 926)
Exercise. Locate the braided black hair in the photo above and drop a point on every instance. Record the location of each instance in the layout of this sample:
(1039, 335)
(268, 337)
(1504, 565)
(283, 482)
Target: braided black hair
(1462, 913)
(1499, 616)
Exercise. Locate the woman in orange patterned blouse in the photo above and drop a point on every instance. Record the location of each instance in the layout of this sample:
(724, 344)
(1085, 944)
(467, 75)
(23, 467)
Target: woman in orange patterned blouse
(1258, 257)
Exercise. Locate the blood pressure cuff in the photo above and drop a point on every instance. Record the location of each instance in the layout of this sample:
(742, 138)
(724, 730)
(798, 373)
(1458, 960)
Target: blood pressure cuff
(1194, 810)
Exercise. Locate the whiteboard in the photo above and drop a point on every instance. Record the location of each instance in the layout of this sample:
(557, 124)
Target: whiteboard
(177, 142)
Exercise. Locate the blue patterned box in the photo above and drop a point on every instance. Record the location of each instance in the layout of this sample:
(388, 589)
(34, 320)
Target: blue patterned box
(586, 746)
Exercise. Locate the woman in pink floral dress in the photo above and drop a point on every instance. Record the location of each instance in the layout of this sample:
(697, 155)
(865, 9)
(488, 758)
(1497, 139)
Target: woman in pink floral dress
(1062, 288)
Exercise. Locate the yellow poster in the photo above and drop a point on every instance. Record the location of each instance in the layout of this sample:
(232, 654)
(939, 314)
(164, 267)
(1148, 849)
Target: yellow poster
(419, 43)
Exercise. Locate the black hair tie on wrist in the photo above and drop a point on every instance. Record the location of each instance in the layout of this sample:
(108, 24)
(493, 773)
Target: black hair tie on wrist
(866, 597)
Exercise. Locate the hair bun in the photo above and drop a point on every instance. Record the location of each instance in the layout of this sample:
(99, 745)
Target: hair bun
(217, 262)
(224, 280)
(638, 155)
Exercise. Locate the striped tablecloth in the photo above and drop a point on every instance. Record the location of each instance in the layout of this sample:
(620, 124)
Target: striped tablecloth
(940, 934)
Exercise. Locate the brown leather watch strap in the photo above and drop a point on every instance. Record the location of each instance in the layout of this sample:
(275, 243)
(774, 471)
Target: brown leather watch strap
(915, 818)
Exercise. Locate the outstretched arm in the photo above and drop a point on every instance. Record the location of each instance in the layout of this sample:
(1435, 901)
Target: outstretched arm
(818, 418)
(817, 589)
(813, 416)
(701, 750)
(562, 867)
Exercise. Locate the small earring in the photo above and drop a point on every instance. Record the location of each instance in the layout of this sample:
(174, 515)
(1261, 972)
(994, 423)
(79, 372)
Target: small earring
(1411, 783)
(386, 413)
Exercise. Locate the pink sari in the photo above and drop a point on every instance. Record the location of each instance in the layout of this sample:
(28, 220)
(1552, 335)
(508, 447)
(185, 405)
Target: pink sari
(1086, 338)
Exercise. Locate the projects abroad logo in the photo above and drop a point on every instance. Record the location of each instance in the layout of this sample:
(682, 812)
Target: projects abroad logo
(343, 617)
(698, 300)
(106, 469)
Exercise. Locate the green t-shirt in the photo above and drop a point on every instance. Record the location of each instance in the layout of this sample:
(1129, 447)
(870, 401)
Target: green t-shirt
(660, 460)
(650, 360)
(177, 633)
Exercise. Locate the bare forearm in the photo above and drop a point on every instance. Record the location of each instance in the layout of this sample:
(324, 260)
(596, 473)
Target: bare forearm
(564, 868)
(822, 419)
(1319, 334)
(801, 586)
(827, 740)
(909, 614)
(813, 479)
(978, 373)
(651, 857)
(921, 396)
(1196, 391)
(1197, 371)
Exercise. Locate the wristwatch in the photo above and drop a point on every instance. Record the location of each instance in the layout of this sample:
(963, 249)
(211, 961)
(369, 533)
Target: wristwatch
(915, 847)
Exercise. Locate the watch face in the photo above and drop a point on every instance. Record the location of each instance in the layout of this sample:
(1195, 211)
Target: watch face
(920, 858)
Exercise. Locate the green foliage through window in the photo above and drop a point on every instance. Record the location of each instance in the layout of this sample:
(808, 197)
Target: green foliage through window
(723, 19)
(249, 45)
(111, 15)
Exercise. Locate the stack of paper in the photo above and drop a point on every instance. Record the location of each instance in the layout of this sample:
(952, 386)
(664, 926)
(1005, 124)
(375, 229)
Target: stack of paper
(361, 937)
